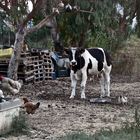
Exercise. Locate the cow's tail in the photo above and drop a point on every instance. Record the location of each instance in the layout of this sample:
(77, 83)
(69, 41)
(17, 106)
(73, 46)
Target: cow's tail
(108, 58)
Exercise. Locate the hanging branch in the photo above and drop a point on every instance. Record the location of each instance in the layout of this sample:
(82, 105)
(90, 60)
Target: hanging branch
(84, 11)
(45, 20)
(41, 24)
(36, 7)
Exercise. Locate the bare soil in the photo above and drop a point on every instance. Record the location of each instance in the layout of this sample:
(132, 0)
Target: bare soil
(58, 115)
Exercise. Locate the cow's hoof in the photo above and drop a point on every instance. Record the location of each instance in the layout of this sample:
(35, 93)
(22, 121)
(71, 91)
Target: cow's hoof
(83, 97)
(103, 96)
(71, 97)
(106, 96)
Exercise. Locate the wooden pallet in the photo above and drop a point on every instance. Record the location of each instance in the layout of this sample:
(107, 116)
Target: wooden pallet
(26, 68)
(27, 79)
(4, 61)
(33, 66)
(25, 54)
(26, 73)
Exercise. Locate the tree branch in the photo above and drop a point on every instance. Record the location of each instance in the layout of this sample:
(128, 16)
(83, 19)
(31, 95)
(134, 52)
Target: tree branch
(41, 24)
(13, 2)
(36, 7)
(6, 3)
(12, 28)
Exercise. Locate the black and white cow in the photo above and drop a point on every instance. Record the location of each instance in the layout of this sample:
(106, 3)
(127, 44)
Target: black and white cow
(84, 62)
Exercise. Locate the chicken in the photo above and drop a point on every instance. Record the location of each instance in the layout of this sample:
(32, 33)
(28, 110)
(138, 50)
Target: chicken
(10, 85)
(122, 100)
(29, 106)
(61, 4)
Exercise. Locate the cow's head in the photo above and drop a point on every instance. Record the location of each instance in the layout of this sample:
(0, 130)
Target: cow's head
(74, 54)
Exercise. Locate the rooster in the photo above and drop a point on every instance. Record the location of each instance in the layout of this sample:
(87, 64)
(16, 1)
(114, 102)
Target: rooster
(10, 85)
(29, 106)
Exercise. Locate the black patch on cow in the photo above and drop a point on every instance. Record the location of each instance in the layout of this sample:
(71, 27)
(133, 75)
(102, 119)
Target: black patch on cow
(78, 53)
(99, 56)
(70, 54)
(100, 66)
(81, 50)
(80, 64)
(89, 66)
(108, 58)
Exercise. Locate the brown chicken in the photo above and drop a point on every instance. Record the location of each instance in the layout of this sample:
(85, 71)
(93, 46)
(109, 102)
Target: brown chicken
(29, 106)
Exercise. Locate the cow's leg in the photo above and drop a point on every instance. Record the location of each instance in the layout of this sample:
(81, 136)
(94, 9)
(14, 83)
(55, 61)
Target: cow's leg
(102, 83)
(83, 84)
(107, 84)
(73, 86)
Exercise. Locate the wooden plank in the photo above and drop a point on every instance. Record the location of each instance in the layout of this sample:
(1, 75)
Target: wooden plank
(26, 73)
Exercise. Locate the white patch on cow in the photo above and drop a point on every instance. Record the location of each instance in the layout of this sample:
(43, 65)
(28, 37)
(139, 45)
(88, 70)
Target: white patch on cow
(83, 84)
(86, 55)
(78, 75)
(107, 80)
(73, 84)
(73, 55)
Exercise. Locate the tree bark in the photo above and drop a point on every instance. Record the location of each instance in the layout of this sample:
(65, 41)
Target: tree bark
(54, 30)
(14, 61)
(122, 24)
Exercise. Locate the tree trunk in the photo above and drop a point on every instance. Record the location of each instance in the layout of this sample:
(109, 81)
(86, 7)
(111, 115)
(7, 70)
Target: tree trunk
(54, 30)
(55, 35)
(122, 24)
(82, 40)
(14, 61)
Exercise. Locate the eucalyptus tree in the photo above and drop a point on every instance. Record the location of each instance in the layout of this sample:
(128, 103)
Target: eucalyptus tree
(96, 22)
(89, 24)
(17, 18)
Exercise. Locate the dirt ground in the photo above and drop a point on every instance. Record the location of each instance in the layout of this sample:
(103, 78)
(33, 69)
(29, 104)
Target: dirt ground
(58, 115)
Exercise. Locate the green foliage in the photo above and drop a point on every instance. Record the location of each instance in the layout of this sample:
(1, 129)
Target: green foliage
(40, 39)
(44, 44)
(18, 11)
(72, 25)
(97, 29)
(94, 29)
(3, 27)
(6, 35)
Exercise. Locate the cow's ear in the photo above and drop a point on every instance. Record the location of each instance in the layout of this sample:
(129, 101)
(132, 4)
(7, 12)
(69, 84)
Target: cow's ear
(66, 51)
(81, 50)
